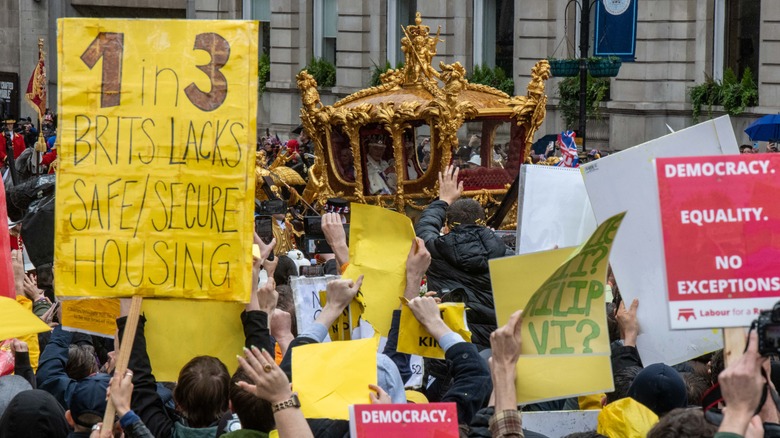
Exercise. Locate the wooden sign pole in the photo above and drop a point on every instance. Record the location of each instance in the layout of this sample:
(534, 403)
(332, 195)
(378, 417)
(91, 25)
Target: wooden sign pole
(734, 342)
(125, 347)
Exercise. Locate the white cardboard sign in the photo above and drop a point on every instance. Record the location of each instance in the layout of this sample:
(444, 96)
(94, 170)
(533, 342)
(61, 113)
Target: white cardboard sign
(557, 424)
(626, 181)
(554, 209)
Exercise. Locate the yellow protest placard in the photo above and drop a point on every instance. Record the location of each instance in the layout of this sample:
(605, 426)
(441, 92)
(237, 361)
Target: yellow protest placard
(17, 320)
(564, 331)
(330, 377)
(508, 293)
(199, 328)
(157, 132)
(414, 339)
(379, 243)
(341, 329)
(94, 316)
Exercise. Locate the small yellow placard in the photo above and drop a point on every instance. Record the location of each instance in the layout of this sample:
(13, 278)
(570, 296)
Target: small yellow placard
(17, 320)
(331, 376)
(95, 316)
(379, 243)
(414, 339)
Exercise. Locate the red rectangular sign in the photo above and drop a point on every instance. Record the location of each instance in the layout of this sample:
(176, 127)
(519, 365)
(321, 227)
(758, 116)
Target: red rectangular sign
(439, 420)
(721, 231)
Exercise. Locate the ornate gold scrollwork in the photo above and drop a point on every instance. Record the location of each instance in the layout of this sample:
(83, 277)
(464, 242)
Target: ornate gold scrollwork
(352, 119)
(395, 118)
(530, 110)
(449, 113)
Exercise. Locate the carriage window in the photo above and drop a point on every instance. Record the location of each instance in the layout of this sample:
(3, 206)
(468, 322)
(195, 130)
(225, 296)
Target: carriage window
(342, 154)
(489, 154)
(380, 176)
(412, 169)
(423, 136)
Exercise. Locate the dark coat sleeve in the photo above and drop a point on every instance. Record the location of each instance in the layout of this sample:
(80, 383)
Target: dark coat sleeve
(22, 367)
(256, 331)
(401, 360)
(146, 403)
(471, 383)
(52, 377)
(624, 357)
(430, 223)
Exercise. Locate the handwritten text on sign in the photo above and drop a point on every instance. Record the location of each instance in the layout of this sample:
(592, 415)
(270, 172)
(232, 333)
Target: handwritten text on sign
(567, 315)
(155, 188)
(720, 218)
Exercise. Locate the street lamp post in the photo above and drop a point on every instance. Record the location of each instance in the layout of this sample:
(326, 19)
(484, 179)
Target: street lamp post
(585, 6)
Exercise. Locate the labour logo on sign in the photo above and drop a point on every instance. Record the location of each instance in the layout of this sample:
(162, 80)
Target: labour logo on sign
(686, 313)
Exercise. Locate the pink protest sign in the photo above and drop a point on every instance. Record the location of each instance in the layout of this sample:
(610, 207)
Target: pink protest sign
(721, 231)
(7, 288)
(439, 420)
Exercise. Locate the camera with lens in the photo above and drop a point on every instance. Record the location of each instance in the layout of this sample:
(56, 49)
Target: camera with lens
(768, 330)
(314, 239)
(264, 211)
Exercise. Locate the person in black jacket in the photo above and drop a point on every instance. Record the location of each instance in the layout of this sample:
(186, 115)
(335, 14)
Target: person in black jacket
(459, 258)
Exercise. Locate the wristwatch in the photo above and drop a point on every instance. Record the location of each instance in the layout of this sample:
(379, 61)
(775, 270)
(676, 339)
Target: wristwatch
(292, 402)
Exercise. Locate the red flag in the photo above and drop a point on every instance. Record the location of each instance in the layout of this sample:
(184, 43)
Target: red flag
(7, 285)
(36, 88)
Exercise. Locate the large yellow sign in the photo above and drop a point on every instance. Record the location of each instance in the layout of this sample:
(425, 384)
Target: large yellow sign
(157, 132)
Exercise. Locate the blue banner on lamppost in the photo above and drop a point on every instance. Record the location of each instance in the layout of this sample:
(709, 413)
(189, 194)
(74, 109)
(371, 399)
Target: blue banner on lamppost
(616, 29)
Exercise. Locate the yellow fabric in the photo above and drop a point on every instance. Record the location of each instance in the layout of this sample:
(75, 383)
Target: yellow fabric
(415, 397)
(564, 330)
(590, 402)
(155, 186)
(414, 339)
(626, 418)
(379, 243)
(19, 322)
(331, 376)
(96, 316)
(178, 330)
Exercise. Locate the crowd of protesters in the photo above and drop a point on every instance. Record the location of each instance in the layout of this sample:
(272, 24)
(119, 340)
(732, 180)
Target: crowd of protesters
(74, 382)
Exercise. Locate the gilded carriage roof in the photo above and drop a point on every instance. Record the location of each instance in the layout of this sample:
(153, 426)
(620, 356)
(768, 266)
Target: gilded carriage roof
(483, 98)
(418, 81)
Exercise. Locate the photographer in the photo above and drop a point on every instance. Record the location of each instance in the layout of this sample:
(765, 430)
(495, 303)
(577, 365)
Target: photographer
(743, 386)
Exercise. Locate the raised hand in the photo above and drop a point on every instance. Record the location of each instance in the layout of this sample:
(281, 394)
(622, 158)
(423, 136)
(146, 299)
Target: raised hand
(449, 187)
(426, 310)
(270, 382)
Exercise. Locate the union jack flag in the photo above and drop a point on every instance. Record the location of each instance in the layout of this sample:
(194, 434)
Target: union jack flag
(565, 142)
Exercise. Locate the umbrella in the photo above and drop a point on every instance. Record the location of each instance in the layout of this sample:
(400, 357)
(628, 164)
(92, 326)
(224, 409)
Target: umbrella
(766, 128)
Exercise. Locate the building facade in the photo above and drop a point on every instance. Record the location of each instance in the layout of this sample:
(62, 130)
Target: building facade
(680, 44)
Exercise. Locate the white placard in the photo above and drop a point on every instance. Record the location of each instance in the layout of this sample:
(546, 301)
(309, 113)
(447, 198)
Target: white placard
(306, 292)
(626, 181)
(554, 209)
(556, 424)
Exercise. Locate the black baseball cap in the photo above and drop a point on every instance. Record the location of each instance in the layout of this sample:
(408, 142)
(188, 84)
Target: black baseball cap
(88, 401)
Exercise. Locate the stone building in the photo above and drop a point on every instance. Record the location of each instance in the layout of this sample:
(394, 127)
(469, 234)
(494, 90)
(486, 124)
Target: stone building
(680, 43)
